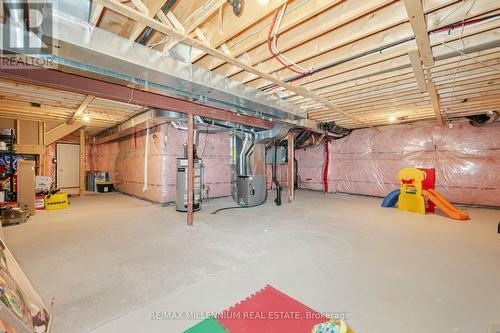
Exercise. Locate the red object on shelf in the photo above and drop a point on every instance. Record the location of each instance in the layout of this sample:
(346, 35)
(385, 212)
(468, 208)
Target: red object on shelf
(40, 202)
(270, 311)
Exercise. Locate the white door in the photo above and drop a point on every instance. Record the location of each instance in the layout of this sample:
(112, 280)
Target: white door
(68, 166)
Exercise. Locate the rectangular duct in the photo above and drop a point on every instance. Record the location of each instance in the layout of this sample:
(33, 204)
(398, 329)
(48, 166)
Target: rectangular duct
(85, 47)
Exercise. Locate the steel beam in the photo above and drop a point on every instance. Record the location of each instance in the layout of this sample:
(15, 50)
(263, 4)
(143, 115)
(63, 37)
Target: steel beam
(112, 91)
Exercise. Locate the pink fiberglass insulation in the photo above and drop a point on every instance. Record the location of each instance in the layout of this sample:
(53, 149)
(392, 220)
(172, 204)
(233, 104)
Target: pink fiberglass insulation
(466, 160)
(281, 174)
(124, 160)
(310, 162)
(216, 161)
(50, 155)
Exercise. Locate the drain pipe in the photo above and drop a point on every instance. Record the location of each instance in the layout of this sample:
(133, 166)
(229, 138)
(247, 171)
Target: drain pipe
(275, 178)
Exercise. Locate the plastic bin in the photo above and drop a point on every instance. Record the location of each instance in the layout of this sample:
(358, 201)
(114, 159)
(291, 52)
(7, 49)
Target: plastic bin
(56, 201)
(104, 187)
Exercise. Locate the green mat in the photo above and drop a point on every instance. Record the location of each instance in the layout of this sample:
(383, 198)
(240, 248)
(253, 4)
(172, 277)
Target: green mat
(210, 325)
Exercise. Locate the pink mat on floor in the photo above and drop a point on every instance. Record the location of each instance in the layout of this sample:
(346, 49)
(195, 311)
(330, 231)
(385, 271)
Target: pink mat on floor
(270, 311)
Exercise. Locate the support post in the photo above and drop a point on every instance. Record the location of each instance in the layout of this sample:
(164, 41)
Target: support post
(190, 189)
(41, 142)
(291, 167)
(18, 131)
(82, 161)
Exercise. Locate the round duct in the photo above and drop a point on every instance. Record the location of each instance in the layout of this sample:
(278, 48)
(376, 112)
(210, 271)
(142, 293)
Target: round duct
(483, 119)
(237, 6)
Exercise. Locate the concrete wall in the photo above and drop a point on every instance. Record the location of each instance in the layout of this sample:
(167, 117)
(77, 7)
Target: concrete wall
(466, 159)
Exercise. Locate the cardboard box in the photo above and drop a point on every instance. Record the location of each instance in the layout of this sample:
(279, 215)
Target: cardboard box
(43, 183)
(26, 184)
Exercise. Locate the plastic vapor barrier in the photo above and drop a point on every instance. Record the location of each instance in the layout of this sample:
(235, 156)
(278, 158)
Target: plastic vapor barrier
(124, 160)
(466, 159)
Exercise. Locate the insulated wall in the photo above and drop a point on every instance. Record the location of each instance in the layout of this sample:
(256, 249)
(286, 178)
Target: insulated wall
(281, 175)
(466, 159)
(125, 161)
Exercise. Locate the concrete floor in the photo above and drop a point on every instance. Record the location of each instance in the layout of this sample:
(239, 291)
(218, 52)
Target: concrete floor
(110, 260)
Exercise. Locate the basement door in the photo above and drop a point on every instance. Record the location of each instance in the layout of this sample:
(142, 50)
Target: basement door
(68, 167)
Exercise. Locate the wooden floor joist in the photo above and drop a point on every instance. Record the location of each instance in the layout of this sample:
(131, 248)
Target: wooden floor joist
(369, 58)
(158, 26)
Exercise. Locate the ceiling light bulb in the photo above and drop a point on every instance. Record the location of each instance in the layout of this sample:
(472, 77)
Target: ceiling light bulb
(86, 118)
(392, 118)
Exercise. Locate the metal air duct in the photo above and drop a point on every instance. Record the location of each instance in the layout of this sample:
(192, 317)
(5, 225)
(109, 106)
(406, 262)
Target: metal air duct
(17, 25)
(483, 119)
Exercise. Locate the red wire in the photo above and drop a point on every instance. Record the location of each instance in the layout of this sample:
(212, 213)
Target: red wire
(458, 25)
(325, 170)
(275, 56)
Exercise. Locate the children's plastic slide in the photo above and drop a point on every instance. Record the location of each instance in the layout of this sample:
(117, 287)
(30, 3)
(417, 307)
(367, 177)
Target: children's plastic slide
(391, 199)
(443, 204)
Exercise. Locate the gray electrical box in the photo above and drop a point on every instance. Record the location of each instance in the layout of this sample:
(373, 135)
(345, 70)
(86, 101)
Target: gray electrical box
(182, 198)
(281, 155)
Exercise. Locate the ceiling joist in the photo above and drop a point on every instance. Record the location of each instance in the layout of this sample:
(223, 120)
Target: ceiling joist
(166, 30)
(375, 57)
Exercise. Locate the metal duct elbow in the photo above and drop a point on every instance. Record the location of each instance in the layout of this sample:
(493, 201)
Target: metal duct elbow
(276, 133)
(483, 119)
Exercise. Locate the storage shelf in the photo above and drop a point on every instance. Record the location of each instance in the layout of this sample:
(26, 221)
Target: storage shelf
(9, 140)
(6, 137)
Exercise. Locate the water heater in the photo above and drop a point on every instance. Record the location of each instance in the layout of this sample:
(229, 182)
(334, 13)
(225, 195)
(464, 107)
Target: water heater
(181, 201)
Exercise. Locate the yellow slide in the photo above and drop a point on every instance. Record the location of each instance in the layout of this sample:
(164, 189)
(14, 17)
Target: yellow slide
(445, 205)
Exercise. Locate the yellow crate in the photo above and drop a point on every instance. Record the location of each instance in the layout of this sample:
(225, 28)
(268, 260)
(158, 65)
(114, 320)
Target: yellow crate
(56, 201)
